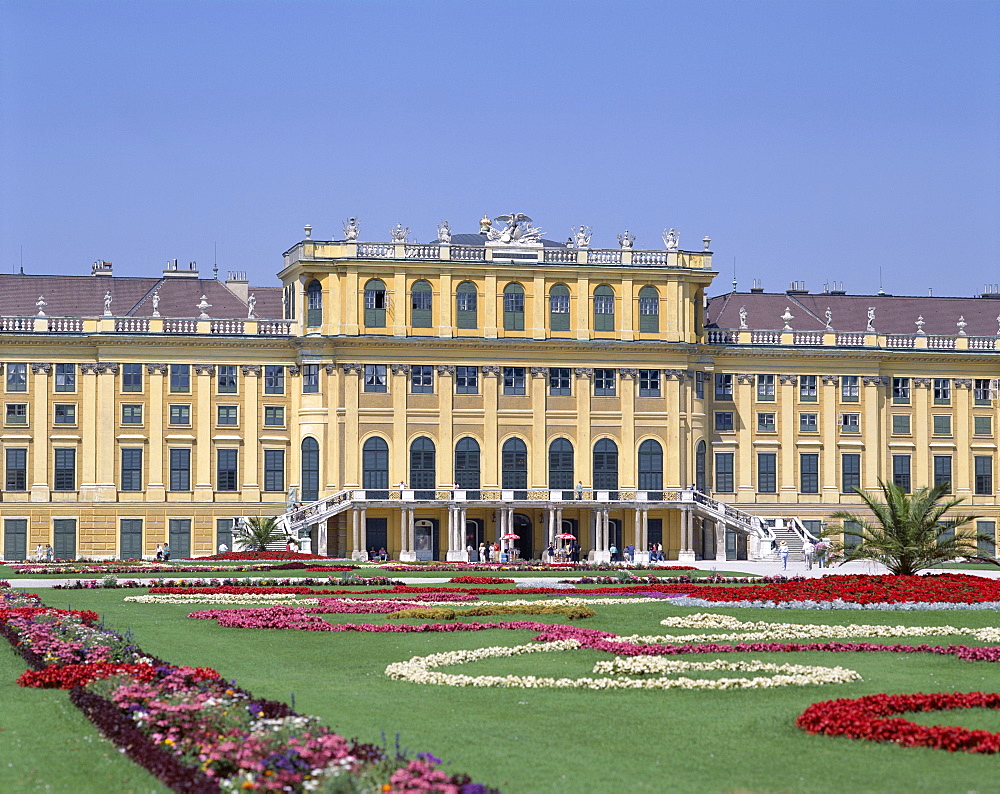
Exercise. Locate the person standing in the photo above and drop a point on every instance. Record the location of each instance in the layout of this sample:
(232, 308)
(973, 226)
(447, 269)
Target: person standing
(820, 549)
(807, 553)
(49, 553)
(159, 552)
(166, 552)
(579, 490)
(614, 553)
(783, 554)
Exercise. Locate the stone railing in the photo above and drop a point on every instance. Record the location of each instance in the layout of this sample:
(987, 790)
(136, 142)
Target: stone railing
(719, 336)
(422, 251)
(145, 325)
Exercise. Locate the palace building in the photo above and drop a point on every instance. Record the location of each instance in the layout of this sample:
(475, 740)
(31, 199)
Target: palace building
(426, 397)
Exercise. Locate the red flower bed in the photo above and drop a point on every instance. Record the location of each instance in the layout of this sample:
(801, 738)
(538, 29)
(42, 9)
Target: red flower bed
(331, 568)
(264, 555)
(27, 613)
(480, 580)
(947, 587)
(871, 718)
(674, 568)
(68, 676)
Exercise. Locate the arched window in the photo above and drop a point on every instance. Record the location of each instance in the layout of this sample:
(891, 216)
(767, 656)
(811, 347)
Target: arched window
(605, 465)
(514, 464)
(375, 464)
(422, 465)
(559, 308)
(314, 304)
(467, 464)
(700, 468)
(650, 466)
(604, 308)
(649, 310)
(466, 306)
(561, 465)
(375, 304)
(513, 307)
(310, 469)
(420, 304)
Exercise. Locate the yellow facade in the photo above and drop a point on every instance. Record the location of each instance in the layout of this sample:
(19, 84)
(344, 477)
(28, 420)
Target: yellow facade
(558, 371)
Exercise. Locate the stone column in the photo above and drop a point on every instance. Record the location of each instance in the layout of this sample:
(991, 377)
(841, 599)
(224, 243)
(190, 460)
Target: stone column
(456, 536)
(686, 553)
(641, 556)
(403, 548)
(355, 534)
(363, 533)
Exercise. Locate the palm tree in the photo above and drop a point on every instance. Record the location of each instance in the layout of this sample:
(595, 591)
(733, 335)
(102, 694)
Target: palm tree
(256, 532)
(906, 533)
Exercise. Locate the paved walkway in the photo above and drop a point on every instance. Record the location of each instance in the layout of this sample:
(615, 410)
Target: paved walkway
(760, 568)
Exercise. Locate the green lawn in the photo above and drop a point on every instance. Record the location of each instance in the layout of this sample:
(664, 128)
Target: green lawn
(548, 740)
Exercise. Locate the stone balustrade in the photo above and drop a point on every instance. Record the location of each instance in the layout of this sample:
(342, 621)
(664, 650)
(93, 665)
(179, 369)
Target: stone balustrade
(146, 325)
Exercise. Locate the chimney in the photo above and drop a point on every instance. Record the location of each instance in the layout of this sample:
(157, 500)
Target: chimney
(101, 268)
(172, 271)
(756, 286)
(238, 284)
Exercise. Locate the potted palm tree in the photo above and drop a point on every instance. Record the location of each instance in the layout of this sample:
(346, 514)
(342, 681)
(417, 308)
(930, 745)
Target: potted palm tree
(906, 533)
(255, 533)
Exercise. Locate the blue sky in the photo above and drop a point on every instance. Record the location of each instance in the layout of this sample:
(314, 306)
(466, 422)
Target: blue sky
(813, 141)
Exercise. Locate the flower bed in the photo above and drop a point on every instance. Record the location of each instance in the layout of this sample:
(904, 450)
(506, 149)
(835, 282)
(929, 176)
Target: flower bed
(189, 727)
(271, 555)
(871, 718)
(61, 569)
(480, 580)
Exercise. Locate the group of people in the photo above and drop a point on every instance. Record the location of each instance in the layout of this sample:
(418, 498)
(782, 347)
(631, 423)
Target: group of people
(628, 555)
(163, 552)
(44, 552)
(378, 556)
(811, 552)
(656, 552)
(490, 552)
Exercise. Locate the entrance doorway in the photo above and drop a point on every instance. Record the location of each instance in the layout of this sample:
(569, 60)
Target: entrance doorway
(523, 528)
(425, 538)
(376, 532)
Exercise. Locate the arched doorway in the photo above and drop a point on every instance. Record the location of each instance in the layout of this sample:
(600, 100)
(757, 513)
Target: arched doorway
(423, 478)
(375, 468)
(310, 469)
(606, 466)
(425, 538)
(561, 467)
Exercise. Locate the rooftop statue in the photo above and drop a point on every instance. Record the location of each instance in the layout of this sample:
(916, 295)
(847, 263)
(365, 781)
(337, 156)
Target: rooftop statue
(671, 239)
(518, 230)
(582, 236)
(626, 239)
(351, 229)
(444, 233)
(399, 233)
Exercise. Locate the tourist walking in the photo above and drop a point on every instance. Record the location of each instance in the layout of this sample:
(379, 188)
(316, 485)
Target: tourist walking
(783, 554)
(614, 553)
(49, 553)
(166, 552)
(807, 553)
(39, 552)
(820, 549)
(159, 552)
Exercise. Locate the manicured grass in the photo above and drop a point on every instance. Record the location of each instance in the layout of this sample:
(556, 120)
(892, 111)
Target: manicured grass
(576, 740)
(46, 744)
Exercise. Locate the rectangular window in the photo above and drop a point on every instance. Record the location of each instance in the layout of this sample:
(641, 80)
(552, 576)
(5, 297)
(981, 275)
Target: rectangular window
(766, 422)
(180, 414)
(984, 390)
(809, 472)
(901, 471)
(274, 416)
(808, 423)
(376, 379)
(274, 470)
(901, 424)
(16, 469)
(560, 381)
(850, 390)
(724, 420)
(65, 377)
(559, 312)
(984, 474)
(17, 377)
(767, 472)
(131, 377)
(513, 380)
(850, 472)
(513, 302)
(942, 391)
(226, 378)
(982, 425)
(649, 383)
(310, 378)
(180, 469)
(226, 415)
(723, 386)
(513, 310)
(131, 414)
(132, 469)
(699, 385)
(226, 460)
(901, 391)
(725, 482)
(942, 425)
(466, 301)
(65, 414)
(604, 304)
(422, 379)
(274, 379)
(466, 380)
(17, 414)
(808, 389)
(942, 471)
(765, 387)
(605, 382)
(180, 378)
(64, 470)
(850, 423)
(987, 546)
